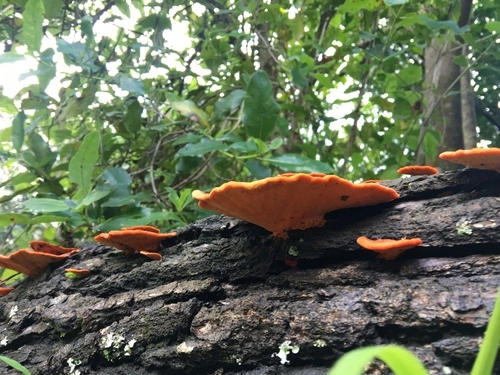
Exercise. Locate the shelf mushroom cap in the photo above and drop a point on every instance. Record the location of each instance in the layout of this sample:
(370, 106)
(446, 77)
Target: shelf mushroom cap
(386, 248)
(48, 248)
(34, 262)
(418, 170)
(134, 239)
(30, 262)
(480, 158)
(5, 290)
(292, 200)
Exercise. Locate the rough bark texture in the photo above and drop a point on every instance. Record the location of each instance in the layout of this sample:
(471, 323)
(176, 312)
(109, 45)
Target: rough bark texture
(442, 95)
(222, 301)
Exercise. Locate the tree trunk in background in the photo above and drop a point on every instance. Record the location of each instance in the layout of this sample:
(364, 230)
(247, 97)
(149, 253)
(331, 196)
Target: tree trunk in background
(442, 95)
(468, 107)
(221, 301)
(450, 104)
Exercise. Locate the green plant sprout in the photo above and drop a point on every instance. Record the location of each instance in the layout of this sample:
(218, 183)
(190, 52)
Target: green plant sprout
(15, 365)
(402, 362)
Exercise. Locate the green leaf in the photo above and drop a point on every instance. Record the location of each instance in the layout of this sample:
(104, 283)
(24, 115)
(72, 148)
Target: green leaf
(14, 218)
(86, 26)
(201, 148)
(257, 169)
(46, 69)
(244, 147)
(75, 51)
(117, 178)
(260, 112)
(155, 22)
(188, 138)
(11, 57)
(93, 197)
(493, 26)
(124, 199)
(411, 74)
(298, 78)
(354, 6)
(461, 60)
(188, 109)
(23, 178)
(398, 359)
(180, 201)
(438, 25)
(299, 163)
(123, 7)
(18, 131)
(82, 164)
(485, 360)
(7, 105)
(49, 219)
(45, 205)
(395, 2)
(44, 156)
(133, 117)
(11, 276)
(130, 84)
(431, 142)
(276, 143)
(225, 106)
(32, 24)
(52, 8)
(15, 365)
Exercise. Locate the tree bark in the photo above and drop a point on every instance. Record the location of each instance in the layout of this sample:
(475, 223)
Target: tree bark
(450, 106)
(222, 300)
(442, 96)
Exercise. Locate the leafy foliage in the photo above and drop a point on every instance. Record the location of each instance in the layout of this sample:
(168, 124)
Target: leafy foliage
(130, 105)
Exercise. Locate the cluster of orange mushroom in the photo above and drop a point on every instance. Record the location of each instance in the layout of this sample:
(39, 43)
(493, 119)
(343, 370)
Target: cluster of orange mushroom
(293, 201)
(299, 201)
(144, 240)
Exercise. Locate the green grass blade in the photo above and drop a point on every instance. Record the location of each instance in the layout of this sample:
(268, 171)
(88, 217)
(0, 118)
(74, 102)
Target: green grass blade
(485, 360)
(14, 364)
(400, 360)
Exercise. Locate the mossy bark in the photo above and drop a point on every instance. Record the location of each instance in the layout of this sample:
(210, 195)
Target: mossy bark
(222, 300)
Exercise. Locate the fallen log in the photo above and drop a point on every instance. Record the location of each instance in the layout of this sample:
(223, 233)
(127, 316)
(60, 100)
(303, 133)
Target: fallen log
(223, 301)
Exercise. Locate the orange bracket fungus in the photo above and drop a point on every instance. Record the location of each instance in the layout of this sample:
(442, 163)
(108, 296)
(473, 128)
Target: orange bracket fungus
(480, 158)
(34, 262)
(418, 170)
(48, 248)
(77, 273)
(291, 200)
(386, 248)
(4, 291)
(143, 240)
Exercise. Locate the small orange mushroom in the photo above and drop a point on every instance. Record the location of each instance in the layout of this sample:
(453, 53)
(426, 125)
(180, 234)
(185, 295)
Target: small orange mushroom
(480, 158)
(418, 170)
(143, 240)
(4, 291)
(386, 248)
(292, 200)
(78, 272)
(151, 255)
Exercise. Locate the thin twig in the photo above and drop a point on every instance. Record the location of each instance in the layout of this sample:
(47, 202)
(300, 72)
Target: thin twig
(268, 47)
